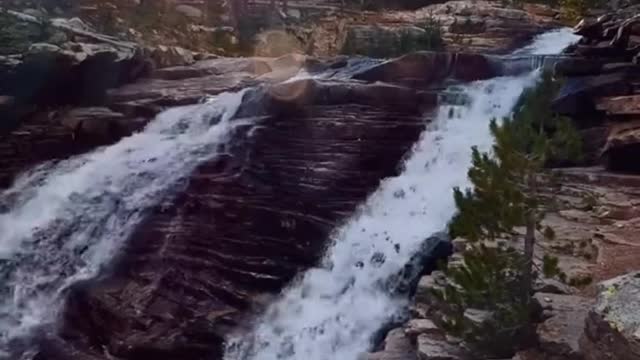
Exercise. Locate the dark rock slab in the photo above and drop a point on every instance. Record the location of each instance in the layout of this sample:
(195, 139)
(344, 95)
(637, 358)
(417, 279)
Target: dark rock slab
(622, 147)
(165, 93)
(220, 66)
(30, 135)
(73, 74)
(428, 68)
(591, 29)
(577, 94)
(577, 67)
(605, 50)
(51, 135)
(247, 222)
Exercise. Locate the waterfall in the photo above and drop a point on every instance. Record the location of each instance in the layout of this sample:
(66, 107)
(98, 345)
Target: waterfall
(62, 221)
(332, 311)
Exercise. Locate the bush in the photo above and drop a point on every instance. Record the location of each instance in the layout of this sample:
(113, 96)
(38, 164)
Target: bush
(489, 280)
(388, 44)
(16, 36)
(506, 196)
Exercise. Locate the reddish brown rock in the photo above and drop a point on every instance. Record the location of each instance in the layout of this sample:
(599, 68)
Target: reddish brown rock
(619, 105)
(623, 147)
(431, 68)
(247, 222)
(564, 325)
(220, 66)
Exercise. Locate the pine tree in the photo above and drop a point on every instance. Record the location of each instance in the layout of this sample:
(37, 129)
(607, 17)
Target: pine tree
(506, 182)
(506, 196)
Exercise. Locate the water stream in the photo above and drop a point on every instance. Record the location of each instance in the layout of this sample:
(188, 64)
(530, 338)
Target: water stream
(62, 221)
(333, 311)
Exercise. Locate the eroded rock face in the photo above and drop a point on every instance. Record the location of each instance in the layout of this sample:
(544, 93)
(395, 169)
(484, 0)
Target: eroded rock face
(623, 146)
(481, 26)
(50, 135)
(428, 68)
(49, 76)
(613, 325)
(577, 96)
(247, 222)
(30, 135)
(37, 76)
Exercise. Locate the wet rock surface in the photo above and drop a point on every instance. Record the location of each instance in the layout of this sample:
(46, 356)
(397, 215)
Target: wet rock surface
(431, 68)
(246, 222)
(51, 127)
(251, 218)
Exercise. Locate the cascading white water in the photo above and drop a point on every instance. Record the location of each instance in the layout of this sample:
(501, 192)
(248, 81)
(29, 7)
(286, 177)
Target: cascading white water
(63, 221)
(331, 312)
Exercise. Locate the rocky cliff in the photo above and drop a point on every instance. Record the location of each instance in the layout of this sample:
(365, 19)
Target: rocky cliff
(591, 315)
(247, 220)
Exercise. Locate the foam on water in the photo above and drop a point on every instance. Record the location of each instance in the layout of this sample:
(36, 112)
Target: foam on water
(332, 311)
(63, 221)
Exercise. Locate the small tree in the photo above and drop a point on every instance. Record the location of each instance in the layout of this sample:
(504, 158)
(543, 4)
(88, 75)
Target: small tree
(488, 281)
(506, 182)
(506, 196)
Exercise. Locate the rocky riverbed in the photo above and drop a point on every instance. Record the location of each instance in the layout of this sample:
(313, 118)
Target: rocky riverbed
(313, 138)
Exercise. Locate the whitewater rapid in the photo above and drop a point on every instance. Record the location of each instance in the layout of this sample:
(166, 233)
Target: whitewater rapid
(63, 221)
(332, 312)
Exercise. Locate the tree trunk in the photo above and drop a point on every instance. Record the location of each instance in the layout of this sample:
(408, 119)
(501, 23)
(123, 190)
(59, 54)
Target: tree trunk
(236, 13)
(529, 244)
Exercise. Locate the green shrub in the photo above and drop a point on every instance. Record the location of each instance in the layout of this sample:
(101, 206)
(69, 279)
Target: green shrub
(428, 36)
(16, 36)
(506, 196)
(550, 266)
(489, 280)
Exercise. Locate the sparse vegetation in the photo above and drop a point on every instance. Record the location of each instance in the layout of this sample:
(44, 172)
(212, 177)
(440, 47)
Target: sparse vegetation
(16, 36)
(488, 280)
(391, 44)
(550, 267)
